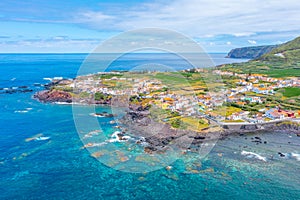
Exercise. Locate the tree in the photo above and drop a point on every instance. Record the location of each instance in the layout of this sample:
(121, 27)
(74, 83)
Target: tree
(175, 123)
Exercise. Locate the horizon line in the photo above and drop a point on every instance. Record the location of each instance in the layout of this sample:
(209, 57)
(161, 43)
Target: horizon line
(102, 53)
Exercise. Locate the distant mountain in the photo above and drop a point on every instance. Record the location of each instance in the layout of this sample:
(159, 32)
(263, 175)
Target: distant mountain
(250, 52)
(281, 61)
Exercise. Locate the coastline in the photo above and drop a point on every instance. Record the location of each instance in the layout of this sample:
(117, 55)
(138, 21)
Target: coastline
(159, 135)
(63, 98)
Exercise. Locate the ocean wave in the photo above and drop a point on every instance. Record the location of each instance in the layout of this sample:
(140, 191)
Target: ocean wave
(91, 134)
(66, 103)
(249, 154)
(41, 138)
(296, 156)
(118, 137)
(21, 111)
(95, 115)
(63, 103)
(142, 141)
(54, 78)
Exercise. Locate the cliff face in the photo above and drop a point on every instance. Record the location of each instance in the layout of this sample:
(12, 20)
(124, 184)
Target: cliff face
(250, 52)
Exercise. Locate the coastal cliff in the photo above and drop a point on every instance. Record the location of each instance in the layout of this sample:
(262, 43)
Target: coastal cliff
(281, 60)
(250, 52)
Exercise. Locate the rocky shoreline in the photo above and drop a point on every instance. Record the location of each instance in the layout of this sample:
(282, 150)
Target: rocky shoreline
(58, 96)
(53, 96)
(161, 136)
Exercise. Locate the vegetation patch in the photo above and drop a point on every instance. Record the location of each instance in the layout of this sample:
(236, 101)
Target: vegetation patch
(291, 92)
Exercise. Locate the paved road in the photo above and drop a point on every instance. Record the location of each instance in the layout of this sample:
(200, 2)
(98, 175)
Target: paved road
(248, 123)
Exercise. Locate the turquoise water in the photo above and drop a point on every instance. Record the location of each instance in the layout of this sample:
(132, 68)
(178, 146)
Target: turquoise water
(60, 169)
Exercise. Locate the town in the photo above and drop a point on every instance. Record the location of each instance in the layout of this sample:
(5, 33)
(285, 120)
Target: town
(243, 98)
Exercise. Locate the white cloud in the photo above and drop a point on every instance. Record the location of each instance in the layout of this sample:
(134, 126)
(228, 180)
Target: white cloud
(211, 23)
(60, 38)
(202, 18)
(243, 34)
(252, 41)
(92, 16)
(50, 45)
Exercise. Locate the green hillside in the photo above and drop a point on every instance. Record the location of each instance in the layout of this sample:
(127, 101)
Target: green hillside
(282, 61)
(252, 52)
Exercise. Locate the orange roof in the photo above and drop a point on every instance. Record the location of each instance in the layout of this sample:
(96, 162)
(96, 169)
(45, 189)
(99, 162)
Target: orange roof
(168, 99)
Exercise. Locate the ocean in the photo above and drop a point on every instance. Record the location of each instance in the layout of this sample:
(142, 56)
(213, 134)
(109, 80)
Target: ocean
(59, 168)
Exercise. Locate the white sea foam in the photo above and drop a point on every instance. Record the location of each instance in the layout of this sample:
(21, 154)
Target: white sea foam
(66, 103)
(21, 111)
(58, 78)
(115, 137)
(91, 134)
(249, 154)
(126, 137)
(296, 156)
(42, 138)
(47, 79)
(63, 103)
(88, 145)
(95, 115)
(99, 144)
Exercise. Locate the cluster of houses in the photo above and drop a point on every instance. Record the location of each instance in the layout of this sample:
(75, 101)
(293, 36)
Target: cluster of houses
(92, 85)
(264, 116)
(259, 83)
(184, 105)
(204, 104)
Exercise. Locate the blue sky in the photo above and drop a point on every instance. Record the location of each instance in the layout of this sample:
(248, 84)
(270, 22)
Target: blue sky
(80, 25)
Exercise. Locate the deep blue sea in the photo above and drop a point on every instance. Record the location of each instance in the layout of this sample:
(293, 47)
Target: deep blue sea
(59, 168)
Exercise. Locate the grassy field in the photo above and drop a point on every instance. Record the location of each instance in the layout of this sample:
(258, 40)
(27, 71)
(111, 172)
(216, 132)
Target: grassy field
(286, 65)
(291, 92)
(280, 73)
(276, 70)
(226, 111)
(193, 124)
